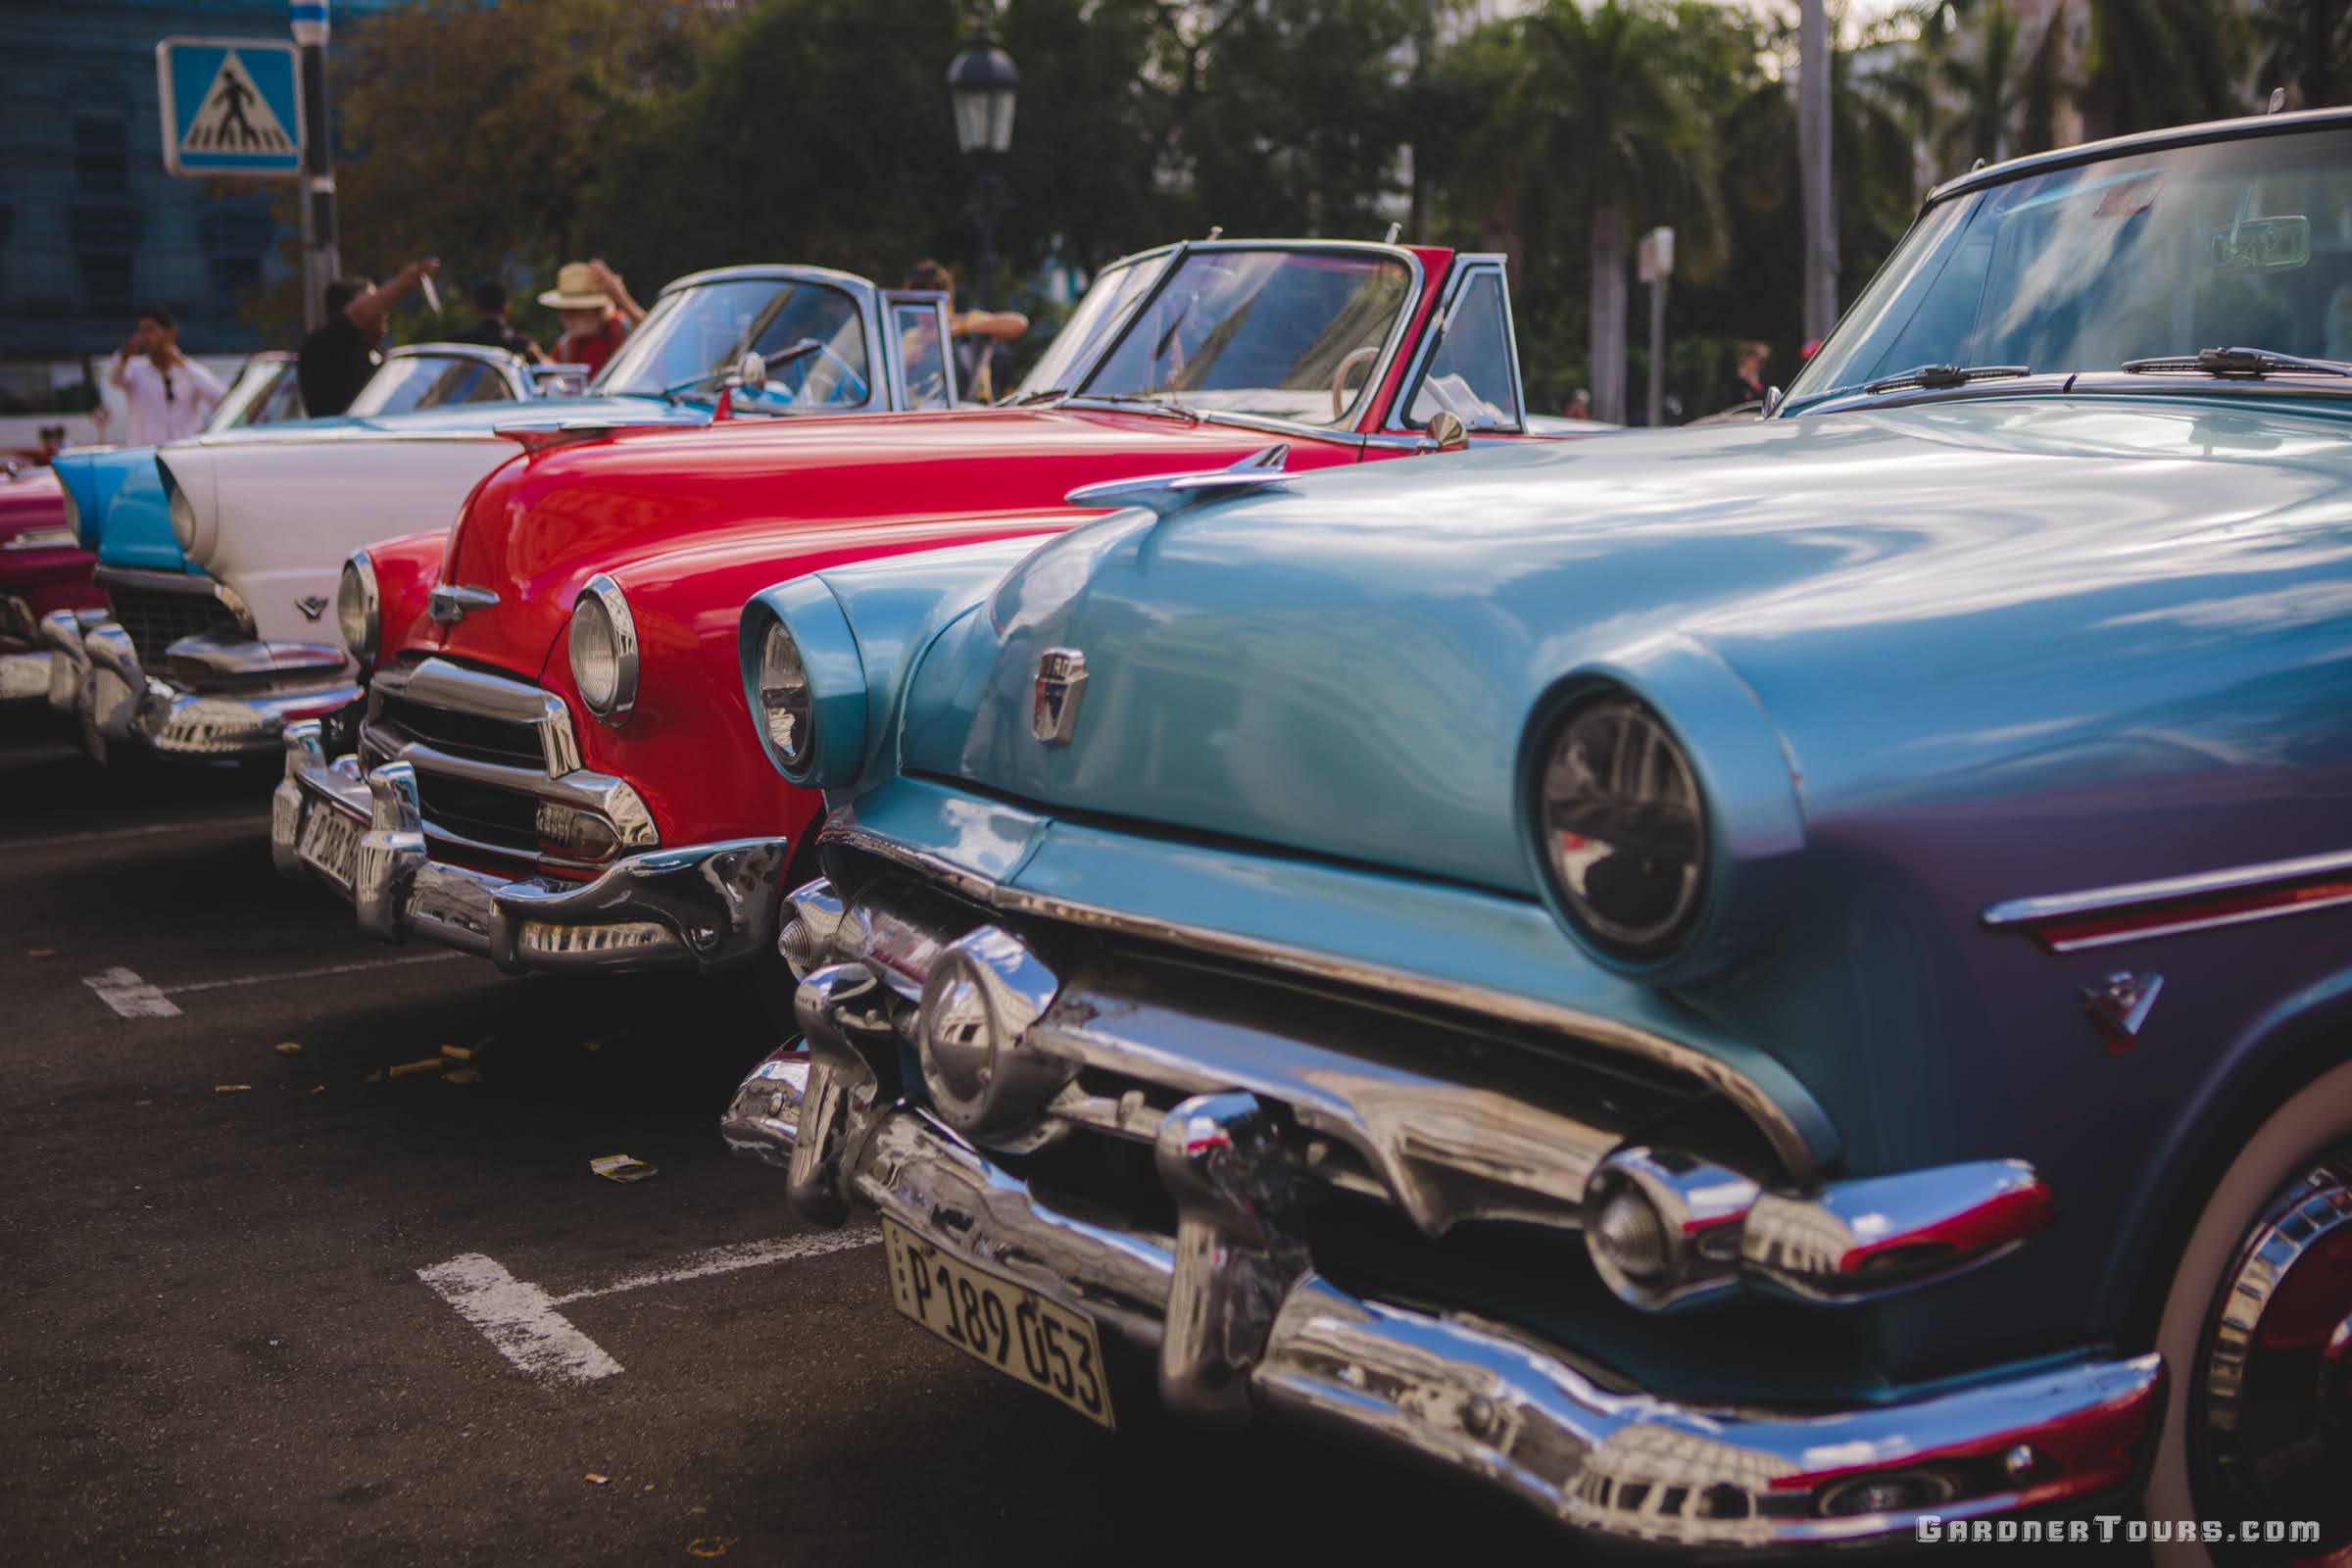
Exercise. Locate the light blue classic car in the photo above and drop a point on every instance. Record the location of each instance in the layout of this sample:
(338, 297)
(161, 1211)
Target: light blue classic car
(1767, 987)
(221, 556)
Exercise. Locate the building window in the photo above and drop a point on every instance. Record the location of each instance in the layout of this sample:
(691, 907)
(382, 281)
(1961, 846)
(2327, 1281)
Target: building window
(100, 154)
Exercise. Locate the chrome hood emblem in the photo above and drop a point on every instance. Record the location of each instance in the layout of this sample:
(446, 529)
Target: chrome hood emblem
(311, 605)
(448, 606)
(1060, 684)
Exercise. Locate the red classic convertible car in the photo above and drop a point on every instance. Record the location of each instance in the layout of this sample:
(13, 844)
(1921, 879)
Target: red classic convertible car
(42, 567)
(552, 769)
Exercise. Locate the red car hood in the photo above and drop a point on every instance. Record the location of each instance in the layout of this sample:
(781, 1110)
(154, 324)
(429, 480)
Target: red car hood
(541, 527)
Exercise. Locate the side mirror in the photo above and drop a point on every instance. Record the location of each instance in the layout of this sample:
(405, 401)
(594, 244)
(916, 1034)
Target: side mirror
(751, 372)
(1447, 429)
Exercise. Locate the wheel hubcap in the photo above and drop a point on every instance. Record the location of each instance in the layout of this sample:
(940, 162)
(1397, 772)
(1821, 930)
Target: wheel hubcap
(2273, 1385)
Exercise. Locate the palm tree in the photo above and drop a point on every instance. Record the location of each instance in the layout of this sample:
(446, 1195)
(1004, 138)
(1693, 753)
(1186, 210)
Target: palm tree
(1600, 105)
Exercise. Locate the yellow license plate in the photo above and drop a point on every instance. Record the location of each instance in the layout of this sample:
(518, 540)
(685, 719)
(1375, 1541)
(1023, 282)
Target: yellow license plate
(990, 1319)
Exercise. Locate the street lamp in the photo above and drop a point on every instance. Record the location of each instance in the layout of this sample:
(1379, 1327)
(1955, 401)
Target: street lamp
(981, 86)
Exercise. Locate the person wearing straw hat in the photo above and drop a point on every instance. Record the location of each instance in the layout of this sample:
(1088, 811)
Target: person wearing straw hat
(596, 313)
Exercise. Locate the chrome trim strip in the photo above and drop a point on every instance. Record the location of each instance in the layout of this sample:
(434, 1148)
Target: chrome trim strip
(601, 793)
(1786, 1139)
(2048, 908)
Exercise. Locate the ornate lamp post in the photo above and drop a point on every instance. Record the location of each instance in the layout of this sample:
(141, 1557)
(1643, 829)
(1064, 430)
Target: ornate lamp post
(982, 85)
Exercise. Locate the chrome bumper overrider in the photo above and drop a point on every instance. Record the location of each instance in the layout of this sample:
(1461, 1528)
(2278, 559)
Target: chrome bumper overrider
(706, 904)
(95, 677)
(942, 1053)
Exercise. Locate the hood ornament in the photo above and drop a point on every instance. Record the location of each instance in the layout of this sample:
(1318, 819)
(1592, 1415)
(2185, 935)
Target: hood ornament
(1169, 493)
(2119, 1006)
(1060, 684)
(311, 605)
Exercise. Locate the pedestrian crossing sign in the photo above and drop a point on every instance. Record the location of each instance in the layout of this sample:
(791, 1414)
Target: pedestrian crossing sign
(232, 106)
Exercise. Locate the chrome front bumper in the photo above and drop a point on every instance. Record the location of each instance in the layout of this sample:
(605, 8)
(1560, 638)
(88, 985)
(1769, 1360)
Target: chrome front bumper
(1243, 1322)
(703, 904)
(96, 679)
(1211, 1124)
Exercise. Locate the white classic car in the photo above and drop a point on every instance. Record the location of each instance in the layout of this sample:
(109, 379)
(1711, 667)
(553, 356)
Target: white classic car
(222, 632)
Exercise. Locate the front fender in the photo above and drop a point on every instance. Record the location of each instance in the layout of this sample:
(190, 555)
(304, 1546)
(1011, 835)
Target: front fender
(861, 629)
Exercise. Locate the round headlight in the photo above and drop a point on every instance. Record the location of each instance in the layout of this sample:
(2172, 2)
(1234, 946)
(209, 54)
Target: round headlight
(1624, 829)
(787, 708)
(184, 518)
(603, 649)
(357, 609)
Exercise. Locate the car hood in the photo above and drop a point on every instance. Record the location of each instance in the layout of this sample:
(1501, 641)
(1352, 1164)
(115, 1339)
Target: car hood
(537, 529)
(463, 419)
(1994, 593)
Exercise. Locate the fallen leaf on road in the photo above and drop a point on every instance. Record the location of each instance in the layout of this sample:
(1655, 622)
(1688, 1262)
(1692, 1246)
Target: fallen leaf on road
(288, 1048)
(595, 1479)
(230, 1089)
(41, 953)
(710, 1545)
(318, 1089)
(621, 1167)
(457, 1052)
(429, 1064)
(462, 1075)
(376, 1077)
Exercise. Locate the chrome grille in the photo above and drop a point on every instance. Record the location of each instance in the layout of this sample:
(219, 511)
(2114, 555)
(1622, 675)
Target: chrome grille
(156, 617)
(489, 751)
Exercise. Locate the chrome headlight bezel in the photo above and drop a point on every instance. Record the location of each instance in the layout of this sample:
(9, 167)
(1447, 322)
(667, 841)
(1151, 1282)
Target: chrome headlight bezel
(359, 608)
(1653, 796)
(833, 669)
(601, 612)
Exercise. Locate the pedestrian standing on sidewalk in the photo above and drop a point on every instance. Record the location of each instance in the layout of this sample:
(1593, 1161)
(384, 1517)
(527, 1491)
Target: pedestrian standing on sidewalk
(167, 395)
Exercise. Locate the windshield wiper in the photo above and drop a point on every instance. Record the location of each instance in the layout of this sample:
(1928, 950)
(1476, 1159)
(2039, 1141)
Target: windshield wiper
(1940, 378)
(2236, 362)
(1134, 400)
(1042, 395)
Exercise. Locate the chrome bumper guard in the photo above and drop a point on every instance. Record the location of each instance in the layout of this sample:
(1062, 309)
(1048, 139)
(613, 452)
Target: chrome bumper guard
(1242, 1321)
(1239, 1118)
(702, 905)
(95, 675)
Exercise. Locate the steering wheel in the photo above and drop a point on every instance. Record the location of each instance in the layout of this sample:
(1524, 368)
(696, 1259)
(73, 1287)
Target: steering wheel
(1339, 378)
(853, 378)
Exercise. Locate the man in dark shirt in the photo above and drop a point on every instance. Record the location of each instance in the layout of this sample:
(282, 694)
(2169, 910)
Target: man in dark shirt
(337, 359)
(494, 330)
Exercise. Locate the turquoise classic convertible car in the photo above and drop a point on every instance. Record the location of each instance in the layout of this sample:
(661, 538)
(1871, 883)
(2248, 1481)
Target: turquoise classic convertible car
(1767, 987)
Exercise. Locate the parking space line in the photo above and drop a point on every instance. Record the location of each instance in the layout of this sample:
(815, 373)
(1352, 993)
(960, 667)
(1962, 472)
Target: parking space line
(728, 1260)
(519, 1319)
(134, 998)
(47, 841)
(308, 974)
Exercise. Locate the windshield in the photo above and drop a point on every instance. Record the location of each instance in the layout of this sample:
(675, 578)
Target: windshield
(1285, 334)
(703, 330)
(264, 392)
(2221, 244)
(429, 381)
(1082, 336)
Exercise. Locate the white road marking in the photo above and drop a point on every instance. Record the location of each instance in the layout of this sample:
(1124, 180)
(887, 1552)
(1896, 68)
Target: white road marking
(728, 1260)
(48, 839)
(134, 998)
(520, 1319)
(310, 974)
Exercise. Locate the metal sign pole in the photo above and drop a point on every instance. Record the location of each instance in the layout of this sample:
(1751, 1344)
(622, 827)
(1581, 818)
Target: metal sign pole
(320, 262)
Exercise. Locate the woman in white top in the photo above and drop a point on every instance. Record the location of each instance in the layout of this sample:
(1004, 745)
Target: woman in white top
(167, 395)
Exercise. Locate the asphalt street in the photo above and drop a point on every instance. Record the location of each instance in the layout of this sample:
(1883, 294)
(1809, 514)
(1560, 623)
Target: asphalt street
(220, 1338)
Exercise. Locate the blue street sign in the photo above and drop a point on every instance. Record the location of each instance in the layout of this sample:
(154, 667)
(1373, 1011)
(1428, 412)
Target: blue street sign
(232, 106)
